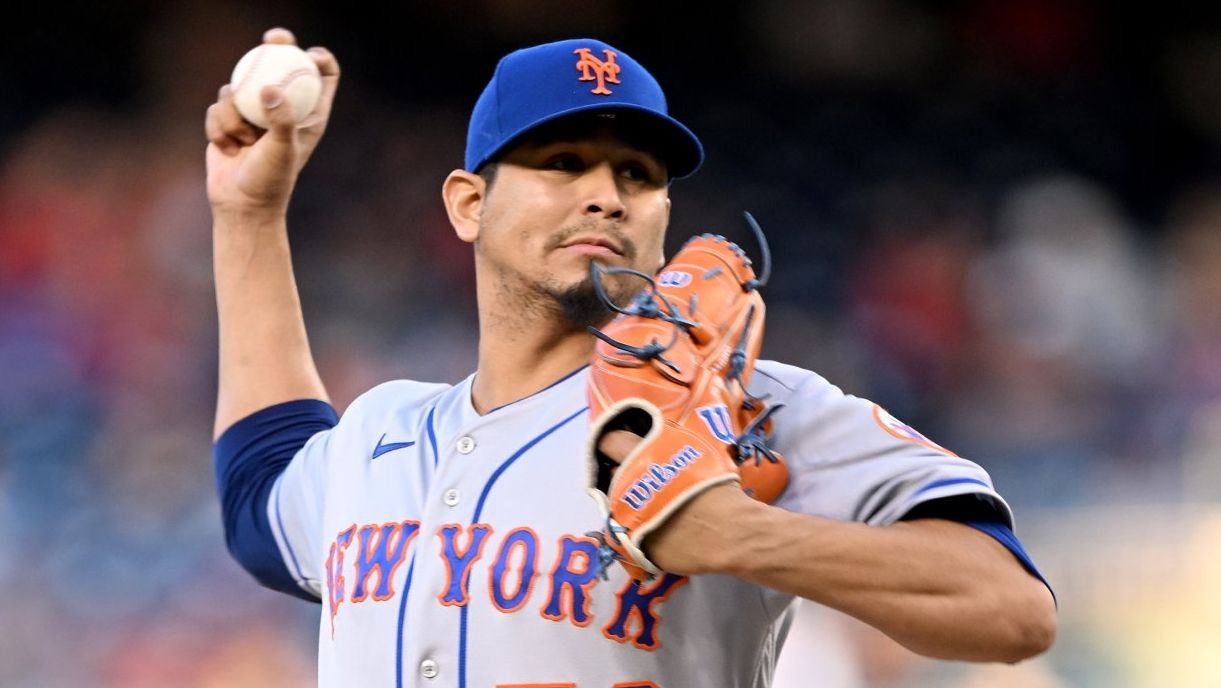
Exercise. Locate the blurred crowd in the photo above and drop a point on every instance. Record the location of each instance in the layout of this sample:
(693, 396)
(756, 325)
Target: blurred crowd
(983, 216)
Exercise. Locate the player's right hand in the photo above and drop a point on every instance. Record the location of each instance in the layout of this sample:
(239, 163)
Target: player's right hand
(251, 171)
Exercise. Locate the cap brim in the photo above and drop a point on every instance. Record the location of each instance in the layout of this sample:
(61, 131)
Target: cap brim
(654, 131)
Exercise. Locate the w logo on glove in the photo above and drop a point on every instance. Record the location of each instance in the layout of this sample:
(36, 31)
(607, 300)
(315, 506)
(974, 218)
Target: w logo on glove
(673, 368)
(716, 417)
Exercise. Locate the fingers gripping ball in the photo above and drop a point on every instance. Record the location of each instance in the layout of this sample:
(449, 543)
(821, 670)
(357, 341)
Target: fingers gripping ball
(273, 64)
(673, 368)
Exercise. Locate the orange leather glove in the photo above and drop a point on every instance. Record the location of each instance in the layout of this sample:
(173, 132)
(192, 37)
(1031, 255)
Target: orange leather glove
(673, 368)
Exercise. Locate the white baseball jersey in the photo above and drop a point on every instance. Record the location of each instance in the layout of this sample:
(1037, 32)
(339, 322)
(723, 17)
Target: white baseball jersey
(450, 549)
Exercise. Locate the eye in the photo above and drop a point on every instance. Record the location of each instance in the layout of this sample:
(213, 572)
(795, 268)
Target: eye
(639, 172)
(564, 162)
(635, 171)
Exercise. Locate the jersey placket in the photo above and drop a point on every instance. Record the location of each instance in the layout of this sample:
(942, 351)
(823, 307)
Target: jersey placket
(452, 585)
(450, 546)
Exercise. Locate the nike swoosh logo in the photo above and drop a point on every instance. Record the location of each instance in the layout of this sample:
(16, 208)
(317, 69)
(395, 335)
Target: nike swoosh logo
(383, 448)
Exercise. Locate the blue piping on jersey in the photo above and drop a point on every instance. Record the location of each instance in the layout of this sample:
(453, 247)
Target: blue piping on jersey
(398, 638)
(534, 394)
(432, 436)
(284, 536)
(487, 489)
(950, 481)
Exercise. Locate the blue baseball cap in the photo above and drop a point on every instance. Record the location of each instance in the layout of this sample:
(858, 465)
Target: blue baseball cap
(543, 83)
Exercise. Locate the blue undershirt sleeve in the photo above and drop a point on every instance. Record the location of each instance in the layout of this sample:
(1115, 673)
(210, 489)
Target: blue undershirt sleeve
(247, 458)
(982, 515)
(1005, 535)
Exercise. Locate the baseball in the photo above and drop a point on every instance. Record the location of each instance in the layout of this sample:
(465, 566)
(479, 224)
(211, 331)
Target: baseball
(273, 64)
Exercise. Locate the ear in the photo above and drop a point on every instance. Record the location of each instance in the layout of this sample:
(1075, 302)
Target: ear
(463, 193)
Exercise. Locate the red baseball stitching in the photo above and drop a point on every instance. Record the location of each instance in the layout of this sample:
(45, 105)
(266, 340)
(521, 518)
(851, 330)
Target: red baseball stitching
(254, 65)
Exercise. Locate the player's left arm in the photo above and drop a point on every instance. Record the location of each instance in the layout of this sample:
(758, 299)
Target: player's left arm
(941, 588)
(937, 567)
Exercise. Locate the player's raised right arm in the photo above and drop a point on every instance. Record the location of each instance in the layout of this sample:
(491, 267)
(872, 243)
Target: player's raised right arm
(265, 356)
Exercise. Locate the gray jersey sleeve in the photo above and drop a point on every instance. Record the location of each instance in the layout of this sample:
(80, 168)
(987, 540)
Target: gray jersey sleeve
(296, 508)
(851, 460)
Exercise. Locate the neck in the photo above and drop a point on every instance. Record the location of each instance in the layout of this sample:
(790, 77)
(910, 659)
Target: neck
(522, 350)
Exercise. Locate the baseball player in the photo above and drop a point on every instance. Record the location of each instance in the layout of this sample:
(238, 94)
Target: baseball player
(448, 531)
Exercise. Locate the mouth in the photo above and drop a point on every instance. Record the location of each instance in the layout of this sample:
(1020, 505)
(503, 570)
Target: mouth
(592, 245)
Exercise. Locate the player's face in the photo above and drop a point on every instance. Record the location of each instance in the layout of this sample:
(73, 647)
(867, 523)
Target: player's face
(559, 203)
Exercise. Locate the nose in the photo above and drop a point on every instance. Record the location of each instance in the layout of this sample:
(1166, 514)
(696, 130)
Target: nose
(602, 195)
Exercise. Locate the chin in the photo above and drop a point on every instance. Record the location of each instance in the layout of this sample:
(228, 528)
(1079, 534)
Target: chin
(579, 305)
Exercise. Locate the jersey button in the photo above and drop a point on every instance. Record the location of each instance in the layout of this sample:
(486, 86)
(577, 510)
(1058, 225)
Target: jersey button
(466, 444)
(428, 669)
(451, 497)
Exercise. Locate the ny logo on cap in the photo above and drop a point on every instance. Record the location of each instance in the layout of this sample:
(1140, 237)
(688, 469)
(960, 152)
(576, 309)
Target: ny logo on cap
(591, 68)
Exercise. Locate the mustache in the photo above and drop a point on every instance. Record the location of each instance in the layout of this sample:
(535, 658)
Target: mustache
(626, 246)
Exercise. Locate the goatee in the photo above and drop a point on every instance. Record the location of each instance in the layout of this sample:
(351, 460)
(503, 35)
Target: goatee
(580, 306)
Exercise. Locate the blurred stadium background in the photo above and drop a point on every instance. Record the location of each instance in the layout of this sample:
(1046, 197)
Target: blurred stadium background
(1000, 219)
